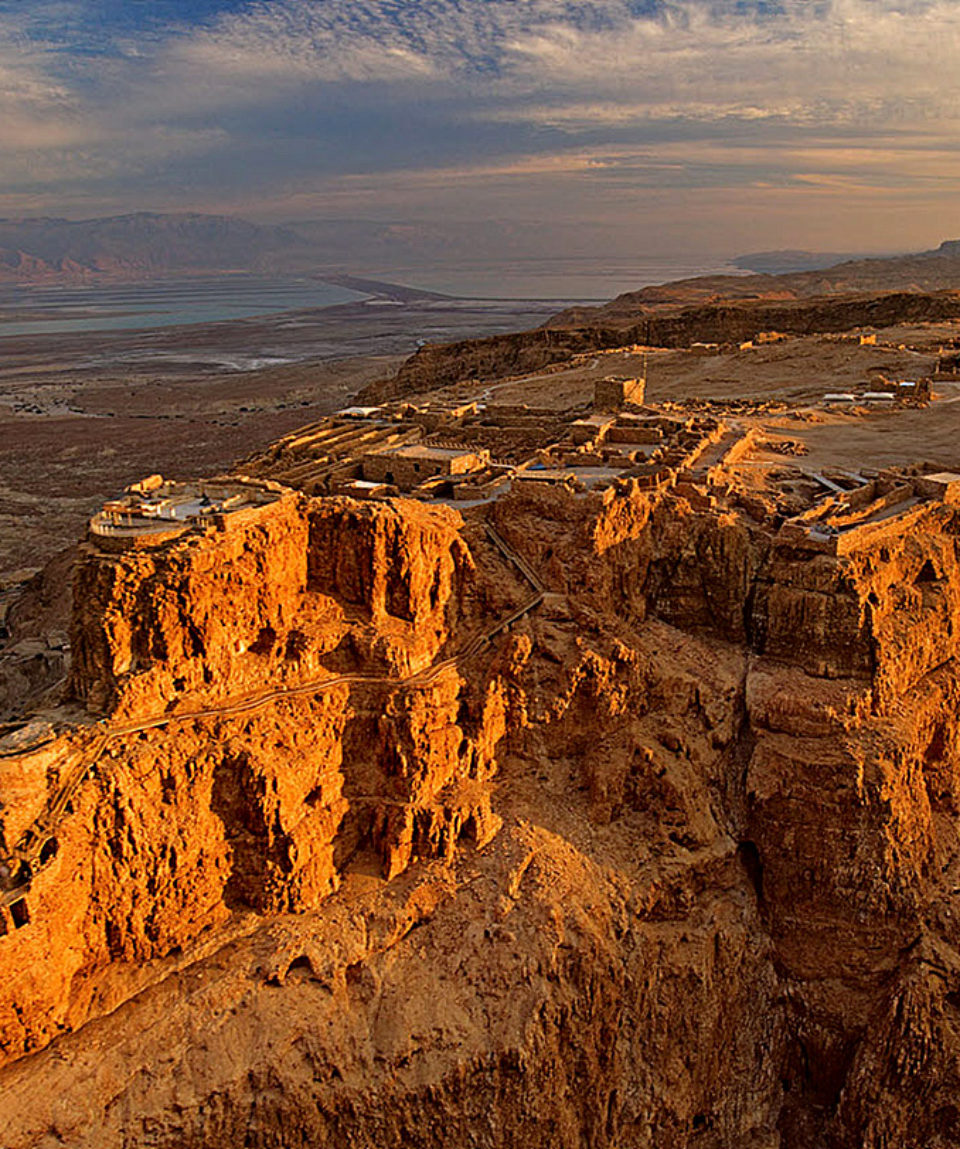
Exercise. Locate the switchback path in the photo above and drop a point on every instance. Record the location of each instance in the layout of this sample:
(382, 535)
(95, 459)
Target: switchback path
(38, 845)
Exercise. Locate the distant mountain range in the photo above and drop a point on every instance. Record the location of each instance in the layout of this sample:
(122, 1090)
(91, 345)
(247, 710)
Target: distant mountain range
(147, 245)
(139, 246)
(784, 262)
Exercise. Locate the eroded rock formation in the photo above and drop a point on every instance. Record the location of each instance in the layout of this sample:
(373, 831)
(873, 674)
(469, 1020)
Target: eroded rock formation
(669, 860)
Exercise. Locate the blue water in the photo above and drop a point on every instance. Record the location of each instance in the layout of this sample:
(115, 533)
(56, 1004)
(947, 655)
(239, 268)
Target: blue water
(581, 280)
(167, 303)
(48, 310)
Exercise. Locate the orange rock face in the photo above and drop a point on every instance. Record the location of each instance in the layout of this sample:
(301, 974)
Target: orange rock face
(667, 861)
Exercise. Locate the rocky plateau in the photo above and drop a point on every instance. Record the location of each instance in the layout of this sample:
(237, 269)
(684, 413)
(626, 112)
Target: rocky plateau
(620, 818)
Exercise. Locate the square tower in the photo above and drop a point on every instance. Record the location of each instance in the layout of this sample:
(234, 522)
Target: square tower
(614, 393)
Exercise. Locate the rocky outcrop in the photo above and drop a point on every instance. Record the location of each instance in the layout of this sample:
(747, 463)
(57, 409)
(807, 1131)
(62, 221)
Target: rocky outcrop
(35, 636)
(266, 601)
(669, 861)
(260, 717)
(629, 321)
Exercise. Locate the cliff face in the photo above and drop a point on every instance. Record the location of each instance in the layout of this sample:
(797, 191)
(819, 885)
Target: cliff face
(216, 785)
(632, 320)
(265, 602)
(669, 861)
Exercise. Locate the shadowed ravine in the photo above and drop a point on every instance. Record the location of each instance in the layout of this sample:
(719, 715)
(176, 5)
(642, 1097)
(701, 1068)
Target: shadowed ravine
(667, 861)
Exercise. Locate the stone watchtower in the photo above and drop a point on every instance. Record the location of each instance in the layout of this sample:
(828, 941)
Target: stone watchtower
(614, 393)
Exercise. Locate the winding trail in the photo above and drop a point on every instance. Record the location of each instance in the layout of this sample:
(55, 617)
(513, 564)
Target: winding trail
(38, 845)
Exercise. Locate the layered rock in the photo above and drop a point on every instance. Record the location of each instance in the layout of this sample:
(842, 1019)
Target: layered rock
(238, 669)
(668, 862)
(634, 320)
(295, 588)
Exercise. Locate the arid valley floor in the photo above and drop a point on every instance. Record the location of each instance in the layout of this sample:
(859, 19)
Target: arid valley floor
(80, 413)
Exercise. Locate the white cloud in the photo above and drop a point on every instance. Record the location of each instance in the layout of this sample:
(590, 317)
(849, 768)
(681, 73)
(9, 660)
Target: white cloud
(816, 60)
(845, 62)
(588, 95)
(36, 110)
(554, 63)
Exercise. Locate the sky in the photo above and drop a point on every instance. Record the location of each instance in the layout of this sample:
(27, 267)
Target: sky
(668, 126)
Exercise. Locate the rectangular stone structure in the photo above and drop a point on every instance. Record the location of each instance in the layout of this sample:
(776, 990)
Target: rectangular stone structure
(408, 467)
(943, 485)
(612, 393)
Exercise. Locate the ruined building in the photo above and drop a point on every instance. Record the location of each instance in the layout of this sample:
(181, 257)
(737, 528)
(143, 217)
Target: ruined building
(613, 810)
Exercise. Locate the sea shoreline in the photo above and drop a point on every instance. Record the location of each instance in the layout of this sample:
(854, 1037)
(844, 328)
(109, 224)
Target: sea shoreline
(84, 414)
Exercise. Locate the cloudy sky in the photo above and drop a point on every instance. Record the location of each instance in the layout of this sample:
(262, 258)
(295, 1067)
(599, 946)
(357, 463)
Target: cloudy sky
(669, 125)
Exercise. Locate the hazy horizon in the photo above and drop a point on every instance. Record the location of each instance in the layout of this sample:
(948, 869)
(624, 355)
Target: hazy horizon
(670, 127)
(482, 258)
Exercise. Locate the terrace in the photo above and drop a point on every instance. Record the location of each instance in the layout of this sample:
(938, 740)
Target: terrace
(155, 510)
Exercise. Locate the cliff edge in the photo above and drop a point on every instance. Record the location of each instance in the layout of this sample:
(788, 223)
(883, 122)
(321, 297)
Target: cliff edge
(606, 817)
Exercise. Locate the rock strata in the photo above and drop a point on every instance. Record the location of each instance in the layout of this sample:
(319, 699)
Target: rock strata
(630, 320)
(633, 823)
